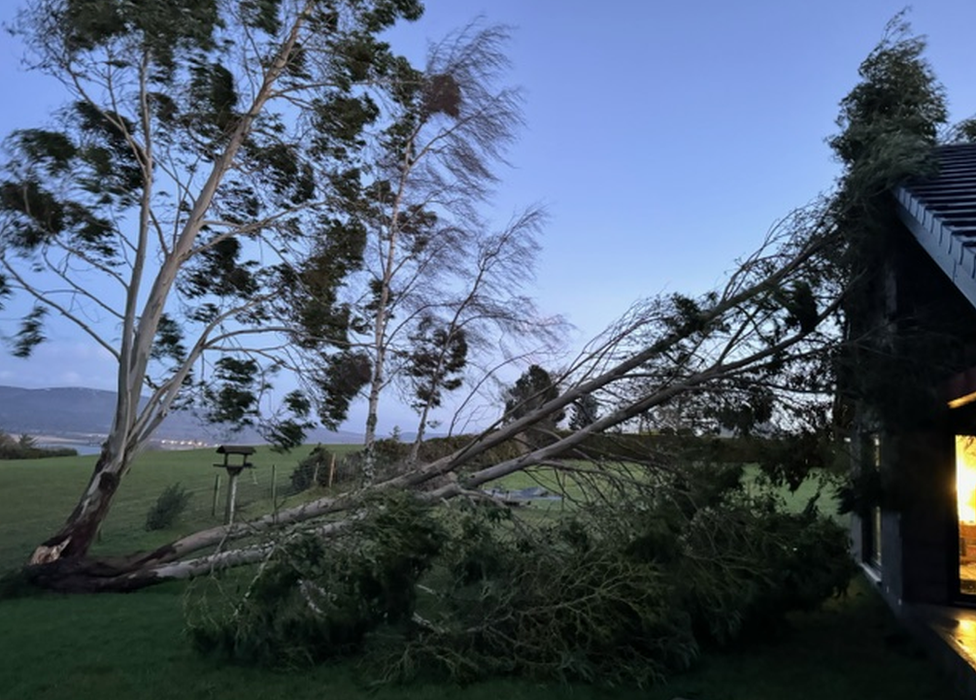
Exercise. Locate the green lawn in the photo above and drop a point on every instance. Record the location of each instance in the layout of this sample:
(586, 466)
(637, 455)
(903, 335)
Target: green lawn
(548, 478)
(131, 646)
(37, 495)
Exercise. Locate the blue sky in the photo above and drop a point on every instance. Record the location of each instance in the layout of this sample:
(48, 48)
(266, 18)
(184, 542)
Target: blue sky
(665, 138)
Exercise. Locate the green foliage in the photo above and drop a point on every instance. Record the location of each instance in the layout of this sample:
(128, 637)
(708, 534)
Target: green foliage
(31, 333)
(791, 460)
(233, 399)
(315, 599)
(628, 592)
(745, 565)
(622, 592)
(340, 380)
(565, 607)
(167, 508)
(313, 470)
(861, 492)
(530, 392)
(220, 270)
(437, 359)
(584, 412)
(286, 431)
(890, 122)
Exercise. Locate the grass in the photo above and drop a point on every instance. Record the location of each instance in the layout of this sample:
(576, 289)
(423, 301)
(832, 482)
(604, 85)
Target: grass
(37, 495)
(575, 487)
(79, 647)
(93, 647)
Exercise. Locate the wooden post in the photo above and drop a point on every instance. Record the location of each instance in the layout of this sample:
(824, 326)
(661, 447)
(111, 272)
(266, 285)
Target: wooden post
(274, 492)
(231, 496)
(213, 505)
(331, 471)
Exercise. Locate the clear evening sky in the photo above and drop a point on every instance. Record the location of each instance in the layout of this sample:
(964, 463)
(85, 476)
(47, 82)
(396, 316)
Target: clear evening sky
(665, 138)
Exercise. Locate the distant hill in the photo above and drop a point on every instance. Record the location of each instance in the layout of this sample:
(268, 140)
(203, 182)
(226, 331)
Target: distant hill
(80, 413)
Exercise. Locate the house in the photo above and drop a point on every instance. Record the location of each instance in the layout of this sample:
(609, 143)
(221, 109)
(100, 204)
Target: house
(916, 537)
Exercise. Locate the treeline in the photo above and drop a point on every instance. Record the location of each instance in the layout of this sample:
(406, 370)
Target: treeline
(25, 447)
(786, 460)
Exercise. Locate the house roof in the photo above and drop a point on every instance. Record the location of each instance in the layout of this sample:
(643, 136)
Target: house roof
(940, 212)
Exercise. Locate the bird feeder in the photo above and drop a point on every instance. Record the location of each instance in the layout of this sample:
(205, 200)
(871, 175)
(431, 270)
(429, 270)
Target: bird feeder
(235, 461)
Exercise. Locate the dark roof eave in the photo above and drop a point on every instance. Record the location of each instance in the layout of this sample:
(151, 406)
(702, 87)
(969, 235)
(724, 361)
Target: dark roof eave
(940, 241)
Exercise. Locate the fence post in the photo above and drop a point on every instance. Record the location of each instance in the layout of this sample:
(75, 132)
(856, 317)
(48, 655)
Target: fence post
(274, 492)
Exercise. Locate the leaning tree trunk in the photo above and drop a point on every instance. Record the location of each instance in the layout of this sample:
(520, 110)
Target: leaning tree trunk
(129, 432)
(76, 536)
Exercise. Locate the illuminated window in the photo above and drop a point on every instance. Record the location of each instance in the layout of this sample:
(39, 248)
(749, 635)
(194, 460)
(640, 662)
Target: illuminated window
(966, 509)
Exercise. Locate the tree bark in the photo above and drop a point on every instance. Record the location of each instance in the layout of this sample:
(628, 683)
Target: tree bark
(79, 531)
(131, 427)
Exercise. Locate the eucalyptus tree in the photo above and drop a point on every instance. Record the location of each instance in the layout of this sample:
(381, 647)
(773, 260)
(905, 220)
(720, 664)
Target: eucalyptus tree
(180, 209)
(433, 265)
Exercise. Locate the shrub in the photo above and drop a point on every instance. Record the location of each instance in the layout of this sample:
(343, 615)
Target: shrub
(313, 470)
(314, 601)
(168, 507)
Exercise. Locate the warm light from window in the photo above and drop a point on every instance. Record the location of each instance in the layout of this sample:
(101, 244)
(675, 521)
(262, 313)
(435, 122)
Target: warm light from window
(966, 478)
(966, 629)
(963, 400)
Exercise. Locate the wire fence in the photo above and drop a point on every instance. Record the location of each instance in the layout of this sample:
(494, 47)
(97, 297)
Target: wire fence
(259, 490)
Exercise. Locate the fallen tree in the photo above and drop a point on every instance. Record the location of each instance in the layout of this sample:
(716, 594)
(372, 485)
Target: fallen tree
(190, 224)
(769, 328)
(626, 589)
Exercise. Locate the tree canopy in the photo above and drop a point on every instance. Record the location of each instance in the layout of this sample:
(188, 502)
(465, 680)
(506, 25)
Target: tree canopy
(181, 212)
(890, 122)
(222, 179)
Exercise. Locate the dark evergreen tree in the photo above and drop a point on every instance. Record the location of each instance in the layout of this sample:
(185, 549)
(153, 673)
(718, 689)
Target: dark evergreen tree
(530, 392)
(584, 412)
(890, 123)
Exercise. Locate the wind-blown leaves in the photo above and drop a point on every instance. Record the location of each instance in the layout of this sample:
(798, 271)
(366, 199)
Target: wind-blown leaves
(179, 211)
(31, 333)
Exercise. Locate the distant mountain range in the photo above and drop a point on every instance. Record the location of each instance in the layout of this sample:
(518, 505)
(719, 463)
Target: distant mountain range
(79, 414)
